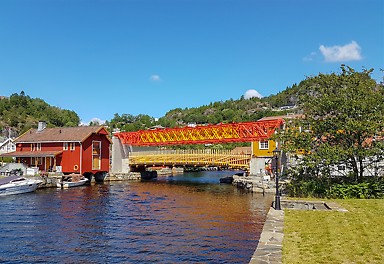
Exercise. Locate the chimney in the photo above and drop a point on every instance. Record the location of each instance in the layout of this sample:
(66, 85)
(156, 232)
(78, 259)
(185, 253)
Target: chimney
(41, 126)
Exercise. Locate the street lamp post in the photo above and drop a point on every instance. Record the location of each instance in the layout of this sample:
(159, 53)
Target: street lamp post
(276, 155)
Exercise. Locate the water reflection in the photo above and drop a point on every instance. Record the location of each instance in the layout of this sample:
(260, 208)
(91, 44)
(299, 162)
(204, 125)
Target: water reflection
(165, 221)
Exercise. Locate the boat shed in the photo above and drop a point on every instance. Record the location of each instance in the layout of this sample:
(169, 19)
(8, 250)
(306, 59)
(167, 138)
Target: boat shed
(81, 150)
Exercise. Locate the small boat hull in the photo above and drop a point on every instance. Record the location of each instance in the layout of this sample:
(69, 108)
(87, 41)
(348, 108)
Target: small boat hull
(18, 186)
(228, 179)
(69, 184)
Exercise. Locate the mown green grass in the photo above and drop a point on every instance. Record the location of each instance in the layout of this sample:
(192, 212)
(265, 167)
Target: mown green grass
(356, 236)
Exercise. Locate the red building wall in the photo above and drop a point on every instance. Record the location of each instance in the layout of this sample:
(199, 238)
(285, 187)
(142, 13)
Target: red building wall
(87, 154)
(77, 160)
(71, 159)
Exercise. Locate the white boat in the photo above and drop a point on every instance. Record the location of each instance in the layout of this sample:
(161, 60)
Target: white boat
(71, 182)
(17, 184)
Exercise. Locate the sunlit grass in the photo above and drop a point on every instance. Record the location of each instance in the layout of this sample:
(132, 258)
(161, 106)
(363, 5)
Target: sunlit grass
(356, 236)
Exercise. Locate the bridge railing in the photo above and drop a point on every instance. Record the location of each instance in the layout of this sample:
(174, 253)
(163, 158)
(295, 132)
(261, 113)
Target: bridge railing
(205, 157)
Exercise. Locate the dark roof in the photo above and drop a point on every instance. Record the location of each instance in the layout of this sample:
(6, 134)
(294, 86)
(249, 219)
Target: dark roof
(25, 154)
(60, 134)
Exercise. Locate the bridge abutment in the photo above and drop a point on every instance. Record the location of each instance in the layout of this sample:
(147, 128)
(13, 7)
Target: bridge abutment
(120, 157)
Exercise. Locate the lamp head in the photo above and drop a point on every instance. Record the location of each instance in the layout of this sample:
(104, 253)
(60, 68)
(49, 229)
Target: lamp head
(276, 152)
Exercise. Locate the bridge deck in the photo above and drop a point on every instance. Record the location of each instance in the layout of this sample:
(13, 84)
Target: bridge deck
(219, 158)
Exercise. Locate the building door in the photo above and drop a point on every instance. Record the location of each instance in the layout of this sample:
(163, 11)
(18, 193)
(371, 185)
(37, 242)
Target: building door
(48, 164)
(96, 155)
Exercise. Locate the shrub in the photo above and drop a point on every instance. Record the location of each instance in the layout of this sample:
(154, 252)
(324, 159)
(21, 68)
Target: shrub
(342, 188)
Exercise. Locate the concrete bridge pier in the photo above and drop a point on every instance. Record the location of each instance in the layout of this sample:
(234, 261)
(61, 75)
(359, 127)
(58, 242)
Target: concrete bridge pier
(257, 180)
(257, 165)
(120, 156)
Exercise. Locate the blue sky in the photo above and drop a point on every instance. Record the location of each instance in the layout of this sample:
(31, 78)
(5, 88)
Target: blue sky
(100, 57)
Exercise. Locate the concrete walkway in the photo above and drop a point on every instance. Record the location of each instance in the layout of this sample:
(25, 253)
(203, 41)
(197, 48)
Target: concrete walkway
(269, 249)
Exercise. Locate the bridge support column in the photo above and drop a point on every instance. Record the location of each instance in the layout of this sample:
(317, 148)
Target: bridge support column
(120, 159)
(257, 165)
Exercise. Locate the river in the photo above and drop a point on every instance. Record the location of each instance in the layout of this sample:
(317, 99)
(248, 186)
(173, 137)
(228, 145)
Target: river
(188, 218)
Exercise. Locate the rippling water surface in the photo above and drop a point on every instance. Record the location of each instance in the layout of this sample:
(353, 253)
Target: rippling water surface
(188, 218)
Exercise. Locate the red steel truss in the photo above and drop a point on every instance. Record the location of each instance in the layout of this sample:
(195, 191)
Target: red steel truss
(210, 134)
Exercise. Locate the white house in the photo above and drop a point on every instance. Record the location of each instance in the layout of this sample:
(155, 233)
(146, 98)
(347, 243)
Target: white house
(7, 145)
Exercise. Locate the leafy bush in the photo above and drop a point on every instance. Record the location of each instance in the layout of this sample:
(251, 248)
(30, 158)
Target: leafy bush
(341, 188)
(364, 190)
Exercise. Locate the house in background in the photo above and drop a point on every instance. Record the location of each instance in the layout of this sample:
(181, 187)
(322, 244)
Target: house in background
(7, 145)
(82, 150)
(262, 151)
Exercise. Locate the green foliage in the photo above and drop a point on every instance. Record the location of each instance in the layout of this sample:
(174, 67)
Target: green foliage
(287, 97)
(369, 189)
(343, 113)
(127, 122)
(241, 110)
(6, 159)
(20, 112)
(337, 188)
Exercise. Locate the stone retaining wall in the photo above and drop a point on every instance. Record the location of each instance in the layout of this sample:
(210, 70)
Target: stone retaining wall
(254, 184)
(132, 176)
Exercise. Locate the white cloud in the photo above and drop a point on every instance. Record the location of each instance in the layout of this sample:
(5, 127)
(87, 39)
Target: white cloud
(252, 93)
(348, 52)
(310, 57)
(155, 78)
(94, 120)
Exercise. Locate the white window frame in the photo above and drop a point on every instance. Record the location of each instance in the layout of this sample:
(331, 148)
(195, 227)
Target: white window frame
(264, 144)
(65, 145)
(72, 146)
(38, 146)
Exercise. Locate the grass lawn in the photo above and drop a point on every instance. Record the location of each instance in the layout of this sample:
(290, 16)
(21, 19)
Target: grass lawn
(356, 236)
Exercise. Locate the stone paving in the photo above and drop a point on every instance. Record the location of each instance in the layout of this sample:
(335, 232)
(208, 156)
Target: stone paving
(269, 249)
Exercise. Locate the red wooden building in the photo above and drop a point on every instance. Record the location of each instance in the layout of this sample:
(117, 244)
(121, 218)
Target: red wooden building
(82, 150)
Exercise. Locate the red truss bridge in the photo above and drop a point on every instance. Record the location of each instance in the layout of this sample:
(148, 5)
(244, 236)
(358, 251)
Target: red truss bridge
(209, 134)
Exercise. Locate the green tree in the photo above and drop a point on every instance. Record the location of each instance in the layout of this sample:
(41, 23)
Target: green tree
(343, 120)
(21, 112)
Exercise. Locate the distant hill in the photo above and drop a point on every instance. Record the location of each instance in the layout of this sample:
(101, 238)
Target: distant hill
(241, 110)
(19, 112)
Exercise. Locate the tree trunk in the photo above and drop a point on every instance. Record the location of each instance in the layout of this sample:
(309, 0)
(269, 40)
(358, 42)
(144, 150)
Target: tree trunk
(361, 169)
(354, 167)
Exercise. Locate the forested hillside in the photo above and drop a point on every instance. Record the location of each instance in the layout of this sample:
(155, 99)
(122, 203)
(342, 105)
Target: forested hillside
(241, 110)
(19, 112)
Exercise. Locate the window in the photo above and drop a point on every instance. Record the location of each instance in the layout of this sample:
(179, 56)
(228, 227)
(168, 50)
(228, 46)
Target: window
(36, 161)
(96, 155)
(72, 146)
(38, 146)
(65, 146)
(263, 145)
